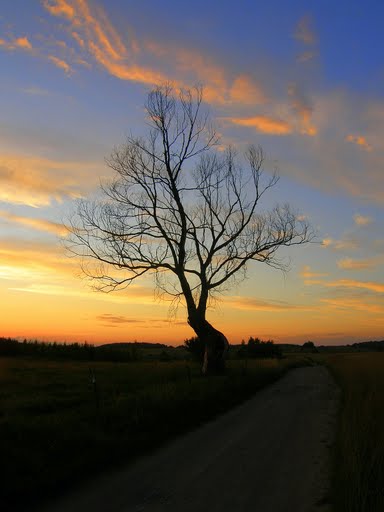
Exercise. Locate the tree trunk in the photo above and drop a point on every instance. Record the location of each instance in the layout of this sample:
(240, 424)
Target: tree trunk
(216, 345)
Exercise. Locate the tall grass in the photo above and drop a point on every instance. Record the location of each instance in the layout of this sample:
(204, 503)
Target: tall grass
(359, 451)
(62, 422)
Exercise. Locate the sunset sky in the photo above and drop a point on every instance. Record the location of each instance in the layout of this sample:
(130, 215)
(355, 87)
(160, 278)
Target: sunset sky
(305, 80)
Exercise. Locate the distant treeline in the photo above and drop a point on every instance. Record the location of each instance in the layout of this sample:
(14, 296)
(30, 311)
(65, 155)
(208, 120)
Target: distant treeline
(257, 348)
(135, 351)
(253, 348)
(73, 351)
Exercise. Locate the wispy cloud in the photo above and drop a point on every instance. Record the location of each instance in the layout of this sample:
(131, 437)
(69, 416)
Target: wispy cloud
(125, 57)
(36, 181)
(372, 286)
(351, 264)
(308, 273)
(108, 318)
(355, 304)
(304, 31)
(36, 91)
(306, 56)
(362, 220)
(341, 245)
(111, 320)
(253, 304)
(305, 34)
(22, 43)
(351, 283)
(265, 124)
(303, 110)
(359, 140)
(244, 90)
(60, 63)
(38, 224)
(60, 8)
(35, 261)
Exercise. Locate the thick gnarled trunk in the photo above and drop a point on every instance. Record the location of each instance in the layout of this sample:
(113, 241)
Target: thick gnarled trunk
(216, 345)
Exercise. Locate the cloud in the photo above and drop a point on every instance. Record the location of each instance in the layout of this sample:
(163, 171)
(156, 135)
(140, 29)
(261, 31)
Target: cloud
(31, 261)
(116, 319)
(252, 304)
(19, 42)
(36, 91)
(306, 57)
(111, 320)
(93, 32)
(307, 273)
(244, 90)
(356, 304)
(328, 165)
(38, 224)
(304, 31)
(341, 245)
(366, 285)
(59, 8)
(350, 283)
(359, 140)
(60, 63)
(36, 181)
(265, 124)
(303, 110)
(362, 220)
(350, 264)
(78, 39)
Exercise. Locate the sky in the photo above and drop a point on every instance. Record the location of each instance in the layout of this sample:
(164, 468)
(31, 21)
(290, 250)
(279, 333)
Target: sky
(305, 80)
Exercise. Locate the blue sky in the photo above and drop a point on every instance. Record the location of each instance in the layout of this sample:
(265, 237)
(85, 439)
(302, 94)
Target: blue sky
(303, 79)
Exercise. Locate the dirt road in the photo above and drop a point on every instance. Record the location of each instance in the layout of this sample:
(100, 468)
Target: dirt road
(271, 454)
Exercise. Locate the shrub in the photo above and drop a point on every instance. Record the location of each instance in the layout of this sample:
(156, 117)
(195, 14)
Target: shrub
(257, 348)
(195, 347)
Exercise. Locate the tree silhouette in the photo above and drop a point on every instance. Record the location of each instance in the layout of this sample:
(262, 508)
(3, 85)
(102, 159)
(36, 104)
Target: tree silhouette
(182, 210)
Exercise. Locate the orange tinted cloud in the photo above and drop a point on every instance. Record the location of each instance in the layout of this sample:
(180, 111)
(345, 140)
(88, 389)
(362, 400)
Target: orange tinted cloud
(307, 273)
(93, 31)
(302, 109)
(340, 245)
(59, 8)
(350, 264)
(359, 140)
(350, 283)
(20, 42)
(245, 90)
(252, 304)
(265, 124)
(22, 259)
(35, 181)
(353, 304)
(78, 39)
(38, 224)
(60, 63)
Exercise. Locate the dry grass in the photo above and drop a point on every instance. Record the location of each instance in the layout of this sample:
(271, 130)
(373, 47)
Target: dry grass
(359, 451)
(58, 427)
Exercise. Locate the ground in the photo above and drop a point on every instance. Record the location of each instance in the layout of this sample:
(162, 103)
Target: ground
(270, 454)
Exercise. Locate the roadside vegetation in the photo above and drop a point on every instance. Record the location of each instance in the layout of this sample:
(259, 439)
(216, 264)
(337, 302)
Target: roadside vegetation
(359, 449)
(63, 421)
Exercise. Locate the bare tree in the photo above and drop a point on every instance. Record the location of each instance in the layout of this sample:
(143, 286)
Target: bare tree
(185, 212)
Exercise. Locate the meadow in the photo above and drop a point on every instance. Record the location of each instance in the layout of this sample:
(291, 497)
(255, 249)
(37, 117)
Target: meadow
(62, 422)
(359, 449)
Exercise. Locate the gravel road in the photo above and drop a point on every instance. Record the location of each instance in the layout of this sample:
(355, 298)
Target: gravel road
(270, 454)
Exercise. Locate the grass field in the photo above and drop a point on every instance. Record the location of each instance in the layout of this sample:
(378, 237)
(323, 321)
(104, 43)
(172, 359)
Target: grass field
(359, 450)
(62, 422)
